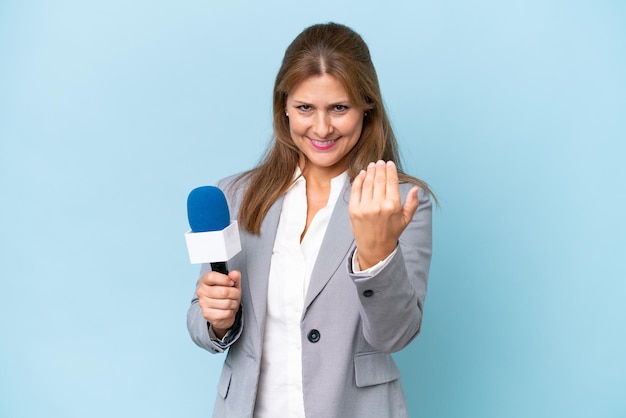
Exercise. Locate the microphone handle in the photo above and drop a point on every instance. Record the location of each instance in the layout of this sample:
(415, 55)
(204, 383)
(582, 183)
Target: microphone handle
(220, 267)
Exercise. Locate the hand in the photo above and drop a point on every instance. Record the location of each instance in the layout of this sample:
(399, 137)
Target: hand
(219, 296)
(376, 212)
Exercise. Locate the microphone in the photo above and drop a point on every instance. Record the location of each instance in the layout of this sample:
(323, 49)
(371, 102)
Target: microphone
(213, 237)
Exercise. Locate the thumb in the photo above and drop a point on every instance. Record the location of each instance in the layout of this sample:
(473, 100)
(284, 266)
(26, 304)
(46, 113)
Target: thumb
(235, 278)
(410, 205)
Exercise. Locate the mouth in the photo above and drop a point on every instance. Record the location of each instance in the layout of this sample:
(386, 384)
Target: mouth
(322, 145)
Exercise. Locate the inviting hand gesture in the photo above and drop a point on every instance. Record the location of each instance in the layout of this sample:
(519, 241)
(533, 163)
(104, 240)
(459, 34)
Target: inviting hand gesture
(376, 212)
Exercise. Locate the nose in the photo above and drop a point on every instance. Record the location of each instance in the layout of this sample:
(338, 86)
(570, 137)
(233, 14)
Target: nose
(322, 125)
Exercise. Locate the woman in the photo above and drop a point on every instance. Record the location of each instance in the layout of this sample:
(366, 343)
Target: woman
(332, 274)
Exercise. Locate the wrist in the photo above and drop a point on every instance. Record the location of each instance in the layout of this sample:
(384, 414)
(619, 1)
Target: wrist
(370, 259)
(219, 332)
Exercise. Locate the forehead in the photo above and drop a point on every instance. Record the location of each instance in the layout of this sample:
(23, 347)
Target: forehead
(320, 88)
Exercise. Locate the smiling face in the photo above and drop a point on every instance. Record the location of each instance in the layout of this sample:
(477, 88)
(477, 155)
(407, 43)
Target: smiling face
(324, 124)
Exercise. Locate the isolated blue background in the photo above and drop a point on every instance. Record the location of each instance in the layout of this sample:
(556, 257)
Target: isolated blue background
(112, 111)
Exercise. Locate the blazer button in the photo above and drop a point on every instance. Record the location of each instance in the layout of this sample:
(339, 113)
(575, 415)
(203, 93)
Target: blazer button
(314, 336)
(368, 293)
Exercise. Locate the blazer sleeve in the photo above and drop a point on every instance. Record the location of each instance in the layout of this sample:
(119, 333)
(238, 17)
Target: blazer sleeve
(392, 300)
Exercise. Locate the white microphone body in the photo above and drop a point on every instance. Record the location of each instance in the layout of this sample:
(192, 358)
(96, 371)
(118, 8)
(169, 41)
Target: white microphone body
(213, 246)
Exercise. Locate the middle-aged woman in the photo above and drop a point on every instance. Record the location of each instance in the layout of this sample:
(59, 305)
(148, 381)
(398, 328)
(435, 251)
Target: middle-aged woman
(336, 247)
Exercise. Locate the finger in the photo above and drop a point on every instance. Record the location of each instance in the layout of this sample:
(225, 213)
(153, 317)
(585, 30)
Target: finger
(218, 292)
(368, 183)
(410, 205)
(355, 192)
(222, 292)
(393, 186)
(220, 304)
(380, 181)
(216, 316)
(213, 278)
(235, 279)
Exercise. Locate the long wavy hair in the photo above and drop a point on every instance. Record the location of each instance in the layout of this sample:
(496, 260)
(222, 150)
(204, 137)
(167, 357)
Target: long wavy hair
(320, 49)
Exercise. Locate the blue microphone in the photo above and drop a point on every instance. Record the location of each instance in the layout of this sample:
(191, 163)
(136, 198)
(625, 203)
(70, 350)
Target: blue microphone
(207, 209)
(213, 237)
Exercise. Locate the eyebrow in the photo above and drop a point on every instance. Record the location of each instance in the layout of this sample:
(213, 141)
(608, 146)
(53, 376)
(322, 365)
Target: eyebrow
(338, 102)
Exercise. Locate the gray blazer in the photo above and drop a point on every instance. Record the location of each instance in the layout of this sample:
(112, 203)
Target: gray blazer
(349, 324)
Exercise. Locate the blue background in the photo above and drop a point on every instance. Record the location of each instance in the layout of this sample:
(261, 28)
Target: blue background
(112, 111)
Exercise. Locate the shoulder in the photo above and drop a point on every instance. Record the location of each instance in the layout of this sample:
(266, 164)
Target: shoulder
(228, 183)
(234, 186)
(423, 194)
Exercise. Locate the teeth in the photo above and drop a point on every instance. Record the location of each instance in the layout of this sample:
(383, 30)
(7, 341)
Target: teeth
(323, 143)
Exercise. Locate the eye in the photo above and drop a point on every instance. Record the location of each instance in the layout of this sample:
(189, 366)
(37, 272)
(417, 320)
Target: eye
(340, 108)
(304, 108)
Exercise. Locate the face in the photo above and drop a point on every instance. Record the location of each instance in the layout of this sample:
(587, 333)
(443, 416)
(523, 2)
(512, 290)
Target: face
(324, 124)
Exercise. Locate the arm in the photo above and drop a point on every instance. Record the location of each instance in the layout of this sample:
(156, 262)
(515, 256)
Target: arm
(391, 294)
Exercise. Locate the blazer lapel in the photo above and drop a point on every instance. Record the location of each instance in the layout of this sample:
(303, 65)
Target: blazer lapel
(259, 261)
(335, 246)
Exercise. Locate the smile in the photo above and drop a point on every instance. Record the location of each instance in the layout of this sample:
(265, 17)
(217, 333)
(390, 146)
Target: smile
(322, 145)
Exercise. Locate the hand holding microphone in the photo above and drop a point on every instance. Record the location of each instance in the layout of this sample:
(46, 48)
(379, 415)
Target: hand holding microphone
(214, 239)
(219, 296)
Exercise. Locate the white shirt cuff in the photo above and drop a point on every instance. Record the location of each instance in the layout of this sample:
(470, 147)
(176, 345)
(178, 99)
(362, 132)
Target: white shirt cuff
(372, 271)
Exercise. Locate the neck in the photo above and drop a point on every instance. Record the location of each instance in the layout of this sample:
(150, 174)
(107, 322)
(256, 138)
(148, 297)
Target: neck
(320, 176)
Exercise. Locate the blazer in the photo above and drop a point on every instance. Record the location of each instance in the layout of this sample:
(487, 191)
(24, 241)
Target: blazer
(349, 324)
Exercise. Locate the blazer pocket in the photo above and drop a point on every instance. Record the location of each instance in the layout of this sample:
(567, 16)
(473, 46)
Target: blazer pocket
(374, 369)
(224, 382)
